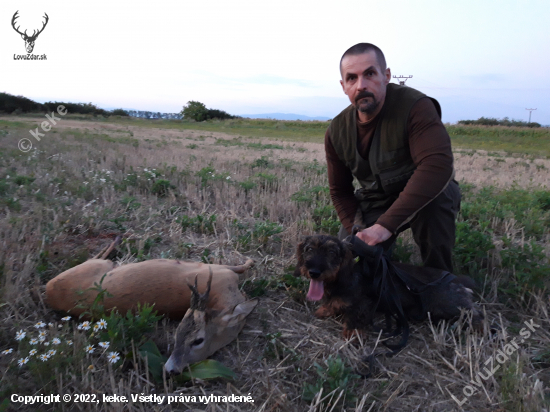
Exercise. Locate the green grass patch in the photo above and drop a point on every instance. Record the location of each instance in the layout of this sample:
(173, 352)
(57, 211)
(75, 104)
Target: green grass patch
(507, 227)
(522, 140)
(12, 124)
(277, 129)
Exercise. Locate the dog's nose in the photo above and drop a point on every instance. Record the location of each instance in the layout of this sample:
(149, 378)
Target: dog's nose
(314, 273)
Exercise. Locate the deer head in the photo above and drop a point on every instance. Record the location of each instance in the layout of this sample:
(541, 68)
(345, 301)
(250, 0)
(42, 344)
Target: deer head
(29, 40)
(202, 333)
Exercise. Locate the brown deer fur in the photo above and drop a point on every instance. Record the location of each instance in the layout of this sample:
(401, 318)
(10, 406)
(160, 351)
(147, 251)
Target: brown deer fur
(161, 282)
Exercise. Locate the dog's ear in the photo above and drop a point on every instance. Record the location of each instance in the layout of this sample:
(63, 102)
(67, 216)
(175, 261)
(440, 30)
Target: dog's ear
(300, 257)
(347, 255)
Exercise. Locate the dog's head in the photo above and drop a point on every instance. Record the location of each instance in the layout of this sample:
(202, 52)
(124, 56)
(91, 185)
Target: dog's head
(320, 258)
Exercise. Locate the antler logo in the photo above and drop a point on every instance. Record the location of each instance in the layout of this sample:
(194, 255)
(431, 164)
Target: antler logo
(29, 40)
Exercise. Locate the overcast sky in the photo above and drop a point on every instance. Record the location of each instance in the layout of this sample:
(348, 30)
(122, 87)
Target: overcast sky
(477, 57)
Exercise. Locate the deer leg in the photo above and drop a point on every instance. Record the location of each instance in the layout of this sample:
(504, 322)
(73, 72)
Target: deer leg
(105, 252)
(100, 252)
(242, 268)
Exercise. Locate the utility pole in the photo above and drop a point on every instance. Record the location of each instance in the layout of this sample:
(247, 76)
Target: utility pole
(530, 110)
(402, 82)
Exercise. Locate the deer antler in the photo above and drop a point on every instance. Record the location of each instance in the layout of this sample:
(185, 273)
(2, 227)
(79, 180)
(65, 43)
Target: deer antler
(15, 16)
(198, 300)
(35, 35)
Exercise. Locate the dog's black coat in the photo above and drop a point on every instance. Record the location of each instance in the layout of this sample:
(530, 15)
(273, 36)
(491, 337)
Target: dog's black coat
(363, 286)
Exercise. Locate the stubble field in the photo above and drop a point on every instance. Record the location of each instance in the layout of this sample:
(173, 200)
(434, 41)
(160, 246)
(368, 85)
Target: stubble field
(196, 192)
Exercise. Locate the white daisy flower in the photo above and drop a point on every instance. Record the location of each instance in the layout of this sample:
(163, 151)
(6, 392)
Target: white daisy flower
(7, 351)
(39, 325)
(50, 325)
(96, 327)
(90, 349)
(104, 345)
(56, 341)
(22, 361)
(46, 343)
(42, 334)
(113, 357)
(69, 342)
(52, 352)
(66, 318)
(102, 324)
(20, 335)
(33, 341)
(43, 357)
(33, 352)
(84, 325)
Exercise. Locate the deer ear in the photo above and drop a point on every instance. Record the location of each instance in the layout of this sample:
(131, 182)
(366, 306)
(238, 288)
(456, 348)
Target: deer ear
(245, 308)
(240, 312)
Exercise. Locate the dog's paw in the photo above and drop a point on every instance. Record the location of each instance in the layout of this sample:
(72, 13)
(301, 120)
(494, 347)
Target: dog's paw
(324, 311)
(350, 333)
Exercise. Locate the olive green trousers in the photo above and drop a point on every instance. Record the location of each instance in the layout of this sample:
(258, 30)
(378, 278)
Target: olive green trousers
(433, 228)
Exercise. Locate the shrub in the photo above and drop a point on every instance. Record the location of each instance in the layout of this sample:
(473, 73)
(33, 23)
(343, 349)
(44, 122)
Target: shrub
(471, 249)
(162, 187)
(120, 112)
(195, 111)
(334, 377)
(198, 112)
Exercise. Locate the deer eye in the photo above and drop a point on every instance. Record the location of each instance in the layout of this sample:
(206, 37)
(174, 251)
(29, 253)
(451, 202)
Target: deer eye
(197, 341)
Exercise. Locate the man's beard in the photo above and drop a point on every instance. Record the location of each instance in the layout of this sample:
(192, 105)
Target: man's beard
(366, 107)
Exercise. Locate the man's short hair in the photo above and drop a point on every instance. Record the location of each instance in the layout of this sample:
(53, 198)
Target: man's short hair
(361, 48)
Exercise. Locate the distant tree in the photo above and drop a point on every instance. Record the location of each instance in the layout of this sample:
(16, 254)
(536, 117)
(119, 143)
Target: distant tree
(120, 112)
(195, 110)
(218, 114)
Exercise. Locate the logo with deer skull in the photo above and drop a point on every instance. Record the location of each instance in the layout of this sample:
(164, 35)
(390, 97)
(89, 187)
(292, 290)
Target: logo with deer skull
(29, 40)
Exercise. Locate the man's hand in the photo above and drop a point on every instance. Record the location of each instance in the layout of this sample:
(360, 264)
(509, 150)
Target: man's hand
(374, 235)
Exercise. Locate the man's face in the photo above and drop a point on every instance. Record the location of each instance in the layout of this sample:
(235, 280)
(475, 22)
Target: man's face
(364, 83)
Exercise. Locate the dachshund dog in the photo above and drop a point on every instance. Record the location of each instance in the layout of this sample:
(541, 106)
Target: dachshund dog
(355, 283)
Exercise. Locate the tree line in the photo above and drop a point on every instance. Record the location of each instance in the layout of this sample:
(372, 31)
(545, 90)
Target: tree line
(193, 110)
(491, 121)
(20, 104)
(153, 115)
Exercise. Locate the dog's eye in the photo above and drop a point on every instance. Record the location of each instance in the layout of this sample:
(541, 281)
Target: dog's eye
(307, 249)
(332, 253)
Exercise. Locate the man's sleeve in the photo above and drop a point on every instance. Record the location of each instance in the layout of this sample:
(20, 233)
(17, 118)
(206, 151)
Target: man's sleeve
(340, 180)
(430, 147)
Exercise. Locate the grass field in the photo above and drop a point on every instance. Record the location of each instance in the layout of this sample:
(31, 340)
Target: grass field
(222, 192)
(530, 141)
